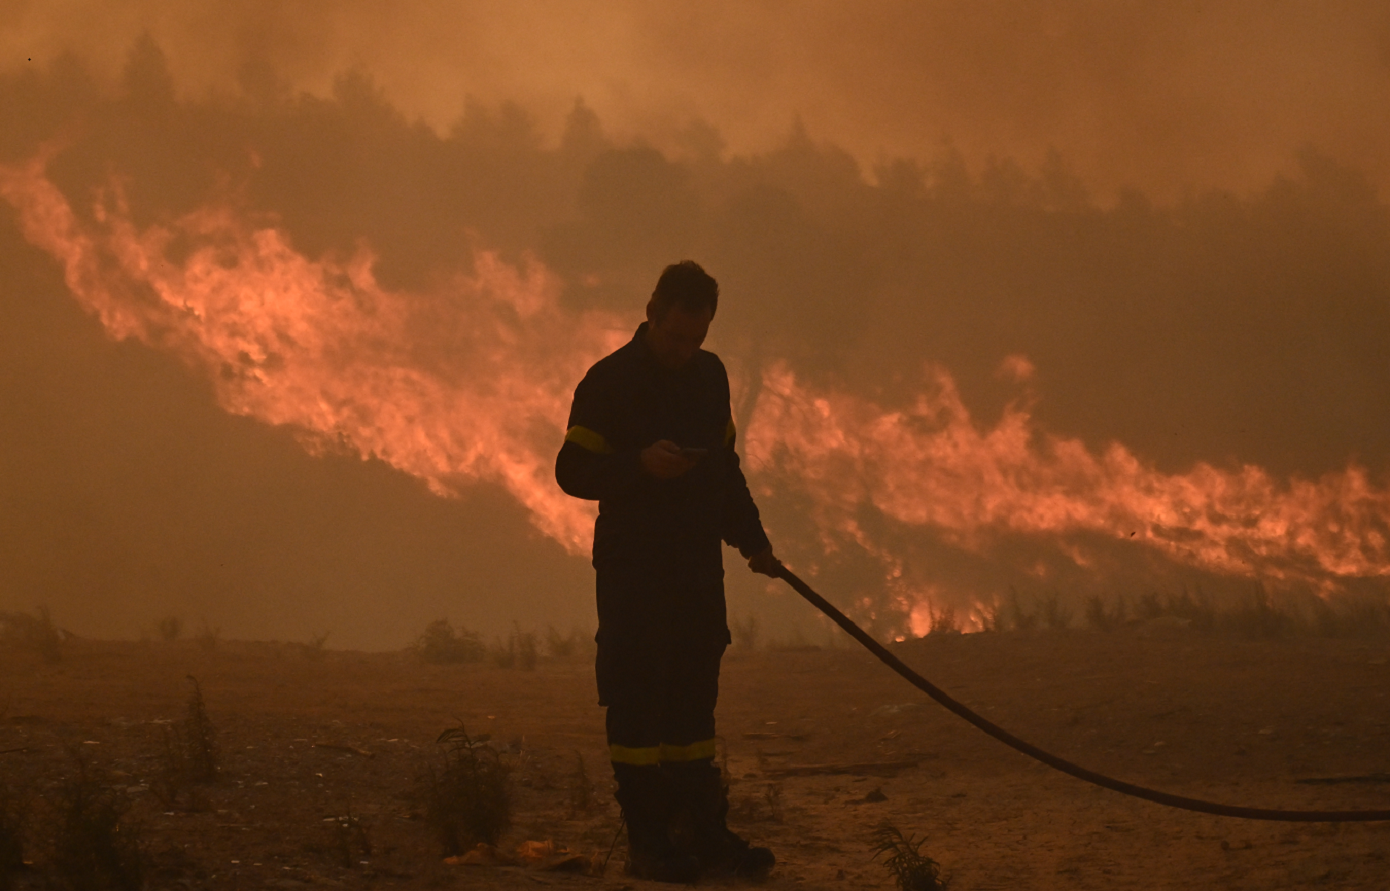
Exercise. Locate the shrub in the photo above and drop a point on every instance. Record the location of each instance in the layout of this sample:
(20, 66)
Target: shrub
(943, 621)
(467, 792)
(517, 651)
(316, 648)
(1016, 618)
(1055, 616)
(208, 637)
(440, 643)
(991, 616)
(1258, 616)
(577, 644)
(350, 841)
(94, 846)
(524, 645)
(36, 632)
(190, 755)
(169, 628)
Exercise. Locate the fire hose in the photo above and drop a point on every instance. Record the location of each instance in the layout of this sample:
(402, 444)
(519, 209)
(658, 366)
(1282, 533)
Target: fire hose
(1081, 773)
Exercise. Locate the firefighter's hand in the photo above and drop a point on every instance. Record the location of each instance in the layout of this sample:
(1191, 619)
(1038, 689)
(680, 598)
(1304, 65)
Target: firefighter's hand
(765, 563)
(664, 460)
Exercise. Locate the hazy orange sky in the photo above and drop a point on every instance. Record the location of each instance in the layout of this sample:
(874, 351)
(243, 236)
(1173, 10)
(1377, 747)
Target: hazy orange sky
(1164, 96)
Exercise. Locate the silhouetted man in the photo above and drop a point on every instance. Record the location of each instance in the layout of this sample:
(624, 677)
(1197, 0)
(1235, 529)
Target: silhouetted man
(651, 438)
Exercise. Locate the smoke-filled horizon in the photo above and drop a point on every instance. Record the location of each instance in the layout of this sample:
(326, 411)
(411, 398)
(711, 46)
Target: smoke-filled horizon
(952, 379)
(1169, 99)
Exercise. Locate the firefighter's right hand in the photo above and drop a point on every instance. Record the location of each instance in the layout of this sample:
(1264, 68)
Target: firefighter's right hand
(664, 460)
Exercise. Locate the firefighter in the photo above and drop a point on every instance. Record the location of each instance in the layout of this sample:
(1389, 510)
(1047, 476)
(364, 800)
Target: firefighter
(651, 438)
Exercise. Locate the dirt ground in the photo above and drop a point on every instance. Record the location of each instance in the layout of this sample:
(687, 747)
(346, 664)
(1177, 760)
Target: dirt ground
(309, 737)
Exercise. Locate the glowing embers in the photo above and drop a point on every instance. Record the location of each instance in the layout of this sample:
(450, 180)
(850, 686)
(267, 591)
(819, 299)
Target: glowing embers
(471, 382)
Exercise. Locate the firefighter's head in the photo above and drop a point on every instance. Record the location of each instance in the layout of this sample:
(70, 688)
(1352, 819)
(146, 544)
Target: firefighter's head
(679, 313)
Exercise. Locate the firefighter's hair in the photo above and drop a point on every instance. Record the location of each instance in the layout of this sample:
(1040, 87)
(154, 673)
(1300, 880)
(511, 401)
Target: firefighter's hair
(688, 285)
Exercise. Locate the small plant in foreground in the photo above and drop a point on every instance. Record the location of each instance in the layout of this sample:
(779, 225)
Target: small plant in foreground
(581, 789)
(440, 644)
(467, 792)
(190, 755)
(95, 847)
(913, 870)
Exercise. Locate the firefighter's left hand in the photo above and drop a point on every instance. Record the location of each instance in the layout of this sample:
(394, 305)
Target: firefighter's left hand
(765, 563)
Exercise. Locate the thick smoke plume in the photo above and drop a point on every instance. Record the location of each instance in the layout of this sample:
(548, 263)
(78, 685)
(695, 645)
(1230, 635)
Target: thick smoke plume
(1157, 96)
(950, 380)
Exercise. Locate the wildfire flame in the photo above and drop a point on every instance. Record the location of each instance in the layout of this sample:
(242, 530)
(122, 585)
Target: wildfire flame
(472, 382)
(462, 385)
(930, 465)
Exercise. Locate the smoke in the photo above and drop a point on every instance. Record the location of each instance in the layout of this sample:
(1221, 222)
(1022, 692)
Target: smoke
(1162, 97)
(1224, 339)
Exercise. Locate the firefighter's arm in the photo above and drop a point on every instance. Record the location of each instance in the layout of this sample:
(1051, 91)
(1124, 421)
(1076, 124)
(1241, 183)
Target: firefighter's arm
(588, 465)
(743, 526)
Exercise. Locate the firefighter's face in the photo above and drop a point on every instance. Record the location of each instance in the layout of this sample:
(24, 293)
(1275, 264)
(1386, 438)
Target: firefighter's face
(676, 336)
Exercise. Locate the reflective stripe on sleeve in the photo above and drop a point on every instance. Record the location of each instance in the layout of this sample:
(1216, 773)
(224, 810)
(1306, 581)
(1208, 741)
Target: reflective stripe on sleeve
(588, 440)
(630, 755)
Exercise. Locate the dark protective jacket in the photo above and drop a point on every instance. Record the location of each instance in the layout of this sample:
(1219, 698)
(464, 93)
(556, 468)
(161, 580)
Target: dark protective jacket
(657, 542)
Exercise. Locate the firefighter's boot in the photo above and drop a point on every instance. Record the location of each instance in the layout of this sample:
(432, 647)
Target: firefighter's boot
(645, 797)
(703, 810)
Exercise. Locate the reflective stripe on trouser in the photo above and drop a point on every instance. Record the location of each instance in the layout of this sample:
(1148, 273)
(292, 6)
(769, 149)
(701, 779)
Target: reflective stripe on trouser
(665, 753)
(660, 699)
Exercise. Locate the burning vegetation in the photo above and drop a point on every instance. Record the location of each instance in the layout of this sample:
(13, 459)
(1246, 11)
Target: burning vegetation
(950, 383)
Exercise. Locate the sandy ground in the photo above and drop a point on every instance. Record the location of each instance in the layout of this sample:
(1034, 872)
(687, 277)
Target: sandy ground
(1233, 720)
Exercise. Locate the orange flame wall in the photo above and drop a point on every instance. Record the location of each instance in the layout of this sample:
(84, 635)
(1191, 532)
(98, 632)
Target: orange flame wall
(471, 382)
(455, 387)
